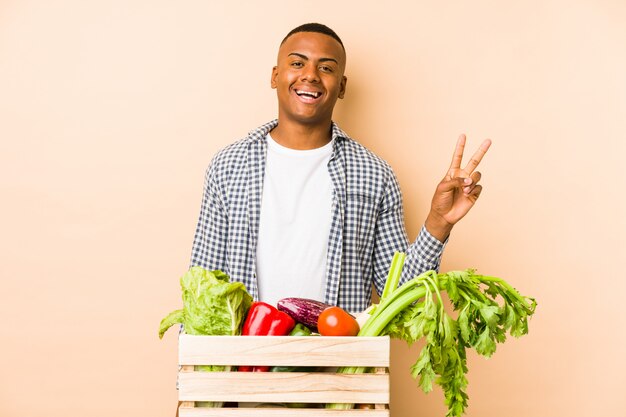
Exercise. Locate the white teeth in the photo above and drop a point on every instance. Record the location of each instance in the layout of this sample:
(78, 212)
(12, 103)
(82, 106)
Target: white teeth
(308, 93)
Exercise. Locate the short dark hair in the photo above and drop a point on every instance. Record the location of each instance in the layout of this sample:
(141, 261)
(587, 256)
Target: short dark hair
(315, 28)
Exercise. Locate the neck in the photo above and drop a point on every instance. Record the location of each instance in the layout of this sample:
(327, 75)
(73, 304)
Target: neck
(301, 137)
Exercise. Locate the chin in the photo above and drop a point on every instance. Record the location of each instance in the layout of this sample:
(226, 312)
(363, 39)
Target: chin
(310, 119)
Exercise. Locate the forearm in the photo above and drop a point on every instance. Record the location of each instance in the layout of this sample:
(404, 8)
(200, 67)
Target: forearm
(438, 227)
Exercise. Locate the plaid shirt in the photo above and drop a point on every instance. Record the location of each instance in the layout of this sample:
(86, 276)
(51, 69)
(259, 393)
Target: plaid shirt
(367, 220)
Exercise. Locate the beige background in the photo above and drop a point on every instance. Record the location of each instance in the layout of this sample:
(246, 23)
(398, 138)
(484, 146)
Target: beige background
(111, 110)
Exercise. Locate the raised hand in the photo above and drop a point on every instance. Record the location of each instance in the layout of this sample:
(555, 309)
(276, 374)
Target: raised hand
(457, 192)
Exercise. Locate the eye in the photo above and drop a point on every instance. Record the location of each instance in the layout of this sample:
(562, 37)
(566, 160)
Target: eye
(326, 68)
(297, 64)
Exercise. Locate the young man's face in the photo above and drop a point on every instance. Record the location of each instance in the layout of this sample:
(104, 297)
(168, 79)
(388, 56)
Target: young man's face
(308, 78)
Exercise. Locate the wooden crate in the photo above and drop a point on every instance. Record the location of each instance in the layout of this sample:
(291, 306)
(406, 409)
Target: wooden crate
(283, 387)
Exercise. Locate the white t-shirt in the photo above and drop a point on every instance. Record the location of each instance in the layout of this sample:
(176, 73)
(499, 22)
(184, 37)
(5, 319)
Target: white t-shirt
(296, 212)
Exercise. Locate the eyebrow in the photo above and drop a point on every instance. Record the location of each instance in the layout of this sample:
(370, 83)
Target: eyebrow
(307, 58)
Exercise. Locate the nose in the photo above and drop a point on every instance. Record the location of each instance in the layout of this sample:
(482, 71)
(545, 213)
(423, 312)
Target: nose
(310, 74)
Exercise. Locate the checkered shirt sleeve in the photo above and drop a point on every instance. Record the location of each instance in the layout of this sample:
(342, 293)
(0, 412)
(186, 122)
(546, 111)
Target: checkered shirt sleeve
(209, 245)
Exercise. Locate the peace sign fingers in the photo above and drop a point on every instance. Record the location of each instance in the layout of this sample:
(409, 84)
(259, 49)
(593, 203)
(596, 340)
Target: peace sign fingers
(455, 167)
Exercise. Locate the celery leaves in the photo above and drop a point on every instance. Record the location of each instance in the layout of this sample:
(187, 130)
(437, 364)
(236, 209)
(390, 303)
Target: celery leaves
(415, 310)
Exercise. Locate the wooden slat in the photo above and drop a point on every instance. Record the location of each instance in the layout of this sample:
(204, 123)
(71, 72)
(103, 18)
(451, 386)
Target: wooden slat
(284, 350)
(278, 412)
(380, 406)
(186, 404)
(284, 387)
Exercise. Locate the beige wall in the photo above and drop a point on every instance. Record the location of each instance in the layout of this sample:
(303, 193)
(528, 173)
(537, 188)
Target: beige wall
(111, 110)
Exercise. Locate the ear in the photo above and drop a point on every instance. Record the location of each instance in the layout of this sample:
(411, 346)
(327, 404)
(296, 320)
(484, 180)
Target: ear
(342, 86)
(274, 75)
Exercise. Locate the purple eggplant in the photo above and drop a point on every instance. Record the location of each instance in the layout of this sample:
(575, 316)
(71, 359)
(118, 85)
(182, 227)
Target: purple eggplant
(303, 310)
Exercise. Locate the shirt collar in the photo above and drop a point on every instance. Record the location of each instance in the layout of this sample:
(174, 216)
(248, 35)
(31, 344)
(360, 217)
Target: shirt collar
(261, 132)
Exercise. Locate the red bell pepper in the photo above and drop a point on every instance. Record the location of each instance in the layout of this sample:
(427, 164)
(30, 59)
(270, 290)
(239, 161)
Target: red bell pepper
(265, 320)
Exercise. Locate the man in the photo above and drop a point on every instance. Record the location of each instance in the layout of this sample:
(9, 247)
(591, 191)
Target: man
(298, 208)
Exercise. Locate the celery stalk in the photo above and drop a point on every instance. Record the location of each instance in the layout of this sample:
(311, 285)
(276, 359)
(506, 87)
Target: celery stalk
(395, 271)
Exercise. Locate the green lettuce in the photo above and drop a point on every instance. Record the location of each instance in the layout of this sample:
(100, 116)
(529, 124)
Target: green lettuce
(212, 305)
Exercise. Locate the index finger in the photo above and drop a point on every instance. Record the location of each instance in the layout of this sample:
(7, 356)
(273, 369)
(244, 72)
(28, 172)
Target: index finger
(457, 157)
(478, 156)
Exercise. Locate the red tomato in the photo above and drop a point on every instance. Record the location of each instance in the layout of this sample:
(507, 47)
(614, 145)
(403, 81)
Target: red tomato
(335, 321)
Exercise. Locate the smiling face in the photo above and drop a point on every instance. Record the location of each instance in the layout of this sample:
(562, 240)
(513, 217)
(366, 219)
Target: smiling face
(308, 78)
